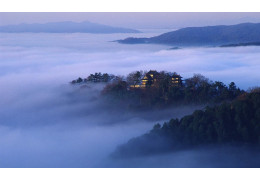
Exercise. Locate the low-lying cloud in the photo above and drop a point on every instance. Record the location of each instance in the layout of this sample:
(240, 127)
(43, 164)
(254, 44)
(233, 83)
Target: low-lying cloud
(45, 122)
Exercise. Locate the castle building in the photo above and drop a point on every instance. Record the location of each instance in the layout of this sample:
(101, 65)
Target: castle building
(152, 76)
(176, 80)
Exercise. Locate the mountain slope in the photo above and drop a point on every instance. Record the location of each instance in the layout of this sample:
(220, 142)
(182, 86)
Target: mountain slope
(237, 122)
(65, 27)
(201, 36)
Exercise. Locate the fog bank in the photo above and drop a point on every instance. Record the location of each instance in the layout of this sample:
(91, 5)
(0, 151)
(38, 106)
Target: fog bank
(45, 122)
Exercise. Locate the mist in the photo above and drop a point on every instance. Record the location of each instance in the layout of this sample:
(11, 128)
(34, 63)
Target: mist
(46, 122)
(224, 156)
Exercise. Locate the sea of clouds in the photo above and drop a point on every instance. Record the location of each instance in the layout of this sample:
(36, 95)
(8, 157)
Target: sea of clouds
(45, 122)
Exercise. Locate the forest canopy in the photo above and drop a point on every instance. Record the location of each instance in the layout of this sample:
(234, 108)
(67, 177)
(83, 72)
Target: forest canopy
(145, 90)
(236, 122)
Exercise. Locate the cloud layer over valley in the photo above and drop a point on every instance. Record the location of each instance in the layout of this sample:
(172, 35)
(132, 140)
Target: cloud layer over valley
(45, 122)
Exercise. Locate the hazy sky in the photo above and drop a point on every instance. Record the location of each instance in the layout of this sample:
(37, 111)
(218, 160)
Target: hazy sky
(134, 20)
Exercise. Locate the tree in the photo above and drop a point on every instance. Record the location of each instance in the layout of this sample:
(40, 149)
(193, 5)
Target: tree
(79, 80)
(197, 81)
(105, 77)
(134, 77)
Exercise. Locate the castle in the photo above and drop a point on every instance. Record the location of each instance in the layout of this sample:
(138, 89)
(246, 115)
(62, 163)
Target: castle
(153, 76)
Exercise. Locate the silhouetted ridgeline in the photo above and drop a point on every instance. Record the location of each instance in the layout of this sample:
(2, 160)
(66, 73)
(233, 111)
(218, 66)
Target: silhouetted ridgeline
(204, 36)
(146, 90)
(65, 27)
(236, 122)
(242, 44)
(96, 78)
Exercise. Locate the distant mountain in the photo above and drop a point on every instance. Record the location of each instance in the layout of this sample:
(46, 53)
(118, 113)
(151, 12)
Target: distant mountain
(242, 44)
(65, 27)
(204, 36)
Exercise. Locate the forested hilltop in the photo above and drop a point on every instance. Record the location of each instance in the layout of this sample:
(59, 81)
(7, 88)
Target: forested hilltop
(148, 90)
(229, 116)
(236, 122)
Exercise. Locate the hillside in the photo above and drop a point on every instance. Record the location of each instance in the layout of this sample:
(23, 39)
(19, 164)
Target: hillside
(237, 122)
(204, 36)
(65, 27)
(242, 44)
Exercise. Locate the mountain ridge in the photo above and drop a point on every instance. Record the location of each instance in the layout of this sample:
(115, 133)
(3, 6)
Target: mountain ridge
(65, 27)
(204, 36)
